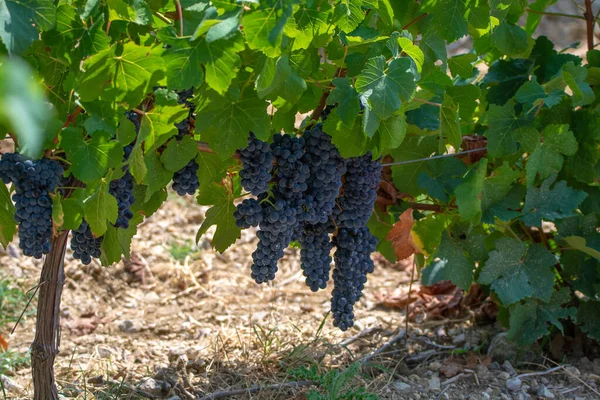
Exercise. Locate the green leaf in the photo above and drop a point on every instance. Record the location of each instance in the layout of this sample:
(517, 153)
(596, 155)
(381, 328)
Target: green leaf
(515, 271)
(221, 215)
(281, 80)
(225, 125)
(468, 194)
(502, 123)
(117, 242)
(427, 233)
(412, 51)
(348, 14)
(589, 319)
(380, 224)
(21, 21)
(258, 26)
(449, 123)
(179, 153)
(448, 16)
(530, 92)
(392, 131)
(211, 169)
(548, 156)
(350, 141)
(385, 86)
(465, 97)
(548, 204)
(589, 245)
(72, 213)
(183, 61)
(449, 262)
(530, 320)
(495, 190)
(90, 158)
(511, 39)
(312, 26)
(158, 125)
(99, 208)
(346, 98)
(575, 78)
(121, 73)
(158, 176)
(413, 148)
(221, 62)
(8, 227)
(23, 108)
(102, 117)
(441, 177)
(462, 65)
(137, 164)
(136, 11)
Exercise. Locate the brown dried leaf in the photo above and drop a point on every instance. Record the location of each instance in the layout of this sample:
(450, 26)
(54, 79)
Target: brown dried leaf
(451, 369)
(400, 235)
(3, 343)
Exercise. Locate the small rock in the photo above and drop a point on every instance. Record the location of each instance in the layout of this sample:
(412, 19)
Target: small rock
(544, 393)
(128, 326)
(485, 395)
(494, 366)
(502, 375)
(507, 366)
(482, 371)
(96, 380)
(513, 384)
(435, 366)
(435, 384)
(151, 386)
(401, 386)
(459, 339)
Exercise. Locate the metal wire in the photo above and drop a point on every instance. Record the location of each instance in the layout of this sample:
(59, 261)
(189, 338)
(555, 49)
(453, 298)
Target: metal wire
(460, 153)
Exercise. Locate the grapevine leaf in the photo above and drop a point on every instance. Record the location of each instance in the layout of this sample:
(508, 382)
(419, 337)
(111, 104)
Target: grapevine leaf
(102, 117)
(415, 147)
(468, 194)
(158, 176)
(21, 21)
(348, 14)
(400, 235)
(350, 141)
(511, 39)
(211, 169)
(427, 233)
(117, 242)
(346, 98)
(548, 62)
(575, 78)
(449, 123)
(502, 123)
(312, 26)
(99, 208)
(136, 11)
(258, 26)
(221, 215)
(548, 204)
(158, 125)
(379, 225)
(8, 227)
(589, 318)
(392, 131)
(413, 51)
(151, 204)
(504, 78)
(466, 97)
(385, 86)
(548, 156)
(23, 109)
(90, 158)
(449, 17)
(462, 65)
(126, 133)
(530, 92)
(123, 73)
(516, 272)
(589, 245)
(223, 28)
(441, 177)
(183, 64)
(529, 320)
(178, 153)
(496, 188)
(137, 165)
(449, 262)
(72, 213)
(225, 125)
(221, 62)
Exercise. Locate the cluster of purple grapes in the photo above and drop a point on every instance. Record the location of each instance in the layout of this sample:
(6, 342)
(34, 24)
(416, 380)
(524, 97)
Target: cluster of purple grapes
(297, 182)
(84, 245)
(185, 181)
(34, 180)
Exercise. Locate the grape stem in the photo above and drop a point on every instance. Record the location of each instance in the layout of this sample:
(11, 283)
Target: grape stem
(180, 15)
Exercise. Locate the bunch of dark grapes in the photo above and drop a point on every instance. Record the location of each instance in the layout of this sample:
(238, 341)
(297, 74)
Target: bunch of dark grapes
(84, 244)
(257, 163)
(185, 181)
(122, 190)
(326, 169)
(281, 211)
(314, 256)
(248, 213)
(360, 192)
(352, 264)
(34, 180)
(354, 242)
(326, 111)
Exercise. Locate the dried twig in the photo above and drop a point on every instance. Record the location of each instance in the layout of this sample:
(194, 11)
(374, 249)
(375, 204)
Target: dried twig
(453, 379)
(360, 335)
(383, 348)
(589, 23)
(537, 373)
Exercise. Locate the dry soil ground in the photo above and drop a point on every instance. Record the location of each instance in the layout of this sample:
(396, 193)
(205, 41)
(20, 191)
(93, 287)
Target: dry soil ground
(183, 320)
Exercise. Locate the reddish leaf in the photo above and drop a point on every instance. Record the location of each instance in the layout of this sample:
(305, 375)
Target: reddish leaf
(400, 235)
(3, 343)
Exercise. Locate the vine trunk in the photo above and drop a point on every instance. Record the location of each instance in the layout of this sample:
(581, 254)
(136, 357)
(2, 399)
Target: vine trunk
(44, 348)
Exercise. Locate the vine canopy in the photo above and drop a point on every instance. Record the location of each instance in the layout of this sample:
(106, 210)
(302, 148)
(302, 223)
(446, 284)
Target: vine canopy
(520, 217)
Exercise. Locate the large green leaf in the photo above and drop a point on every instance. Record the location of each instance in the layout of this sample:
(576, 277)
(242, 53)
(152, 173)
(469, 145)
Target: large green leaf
(221, 215)
(548, 158)
(468, 194)
(101, 208)
(450, 263)
(21, 21)
(8, 226)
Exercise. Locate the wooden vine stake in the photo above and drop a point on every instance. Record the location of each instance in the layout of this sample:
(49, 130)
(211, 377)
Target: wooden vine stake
(44, 348)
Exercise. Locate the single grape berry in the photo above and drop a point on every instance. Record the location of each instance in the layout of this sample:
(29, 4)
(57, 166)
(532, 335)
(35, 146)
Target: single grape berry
(185, 181)
(84, 245)
(257, 163)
